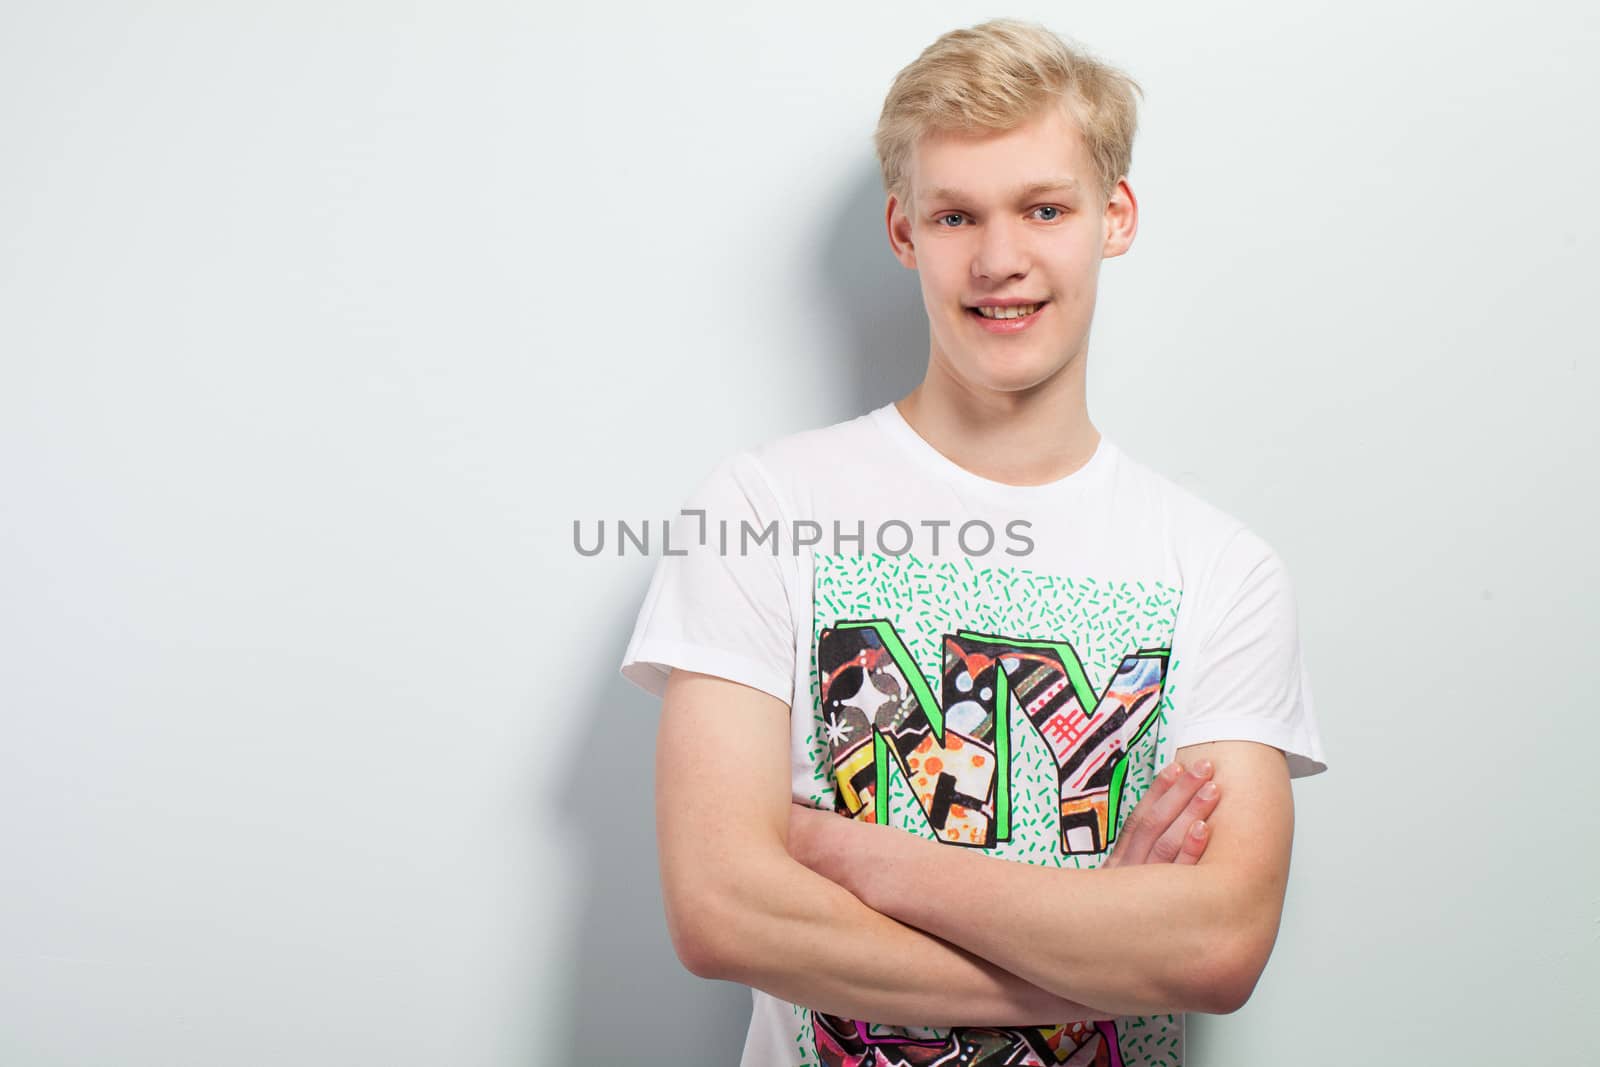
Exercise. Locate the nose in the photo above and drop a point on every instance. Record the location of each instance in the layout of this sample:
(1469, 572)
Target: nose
(1001, 252)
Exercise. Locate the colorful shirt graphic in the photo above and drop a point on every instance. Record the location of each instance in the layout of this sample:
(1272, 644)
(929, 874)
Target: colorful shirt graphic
(1031, 740)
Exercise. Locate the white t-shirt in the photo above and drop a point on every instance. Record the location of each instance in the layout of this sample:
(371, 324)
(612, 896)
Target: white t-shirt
(993, 666)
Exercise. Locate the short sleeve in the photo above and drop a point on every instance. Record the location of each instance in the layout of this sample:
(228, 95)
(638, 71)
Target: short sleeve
(1245, 678)
(718, 602)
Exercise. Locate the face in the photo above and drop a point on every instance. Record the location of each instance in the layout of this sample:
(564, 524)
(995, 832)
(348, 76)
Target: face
(1007, 218)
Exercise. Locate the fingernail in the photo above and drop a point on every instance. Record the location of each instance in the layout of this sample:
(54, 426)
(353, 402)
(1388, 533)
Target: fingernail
(1176, 769)
(1208, 790)
(1202, 768)
(1198, 829)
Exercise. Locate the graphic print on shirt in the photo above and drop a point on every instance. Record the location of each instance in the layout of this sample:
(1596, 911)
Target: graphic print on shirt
(877, 705)
(1039, 739)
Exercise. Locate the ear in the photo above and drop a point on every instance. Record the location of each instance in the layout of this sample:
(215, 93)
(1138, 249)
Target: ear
(899, 227)
(1121, 220)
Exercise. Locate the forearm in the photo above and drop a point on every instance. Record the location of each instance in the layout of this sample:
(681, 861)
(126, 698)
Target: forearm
(1131, 940)
(791, 932)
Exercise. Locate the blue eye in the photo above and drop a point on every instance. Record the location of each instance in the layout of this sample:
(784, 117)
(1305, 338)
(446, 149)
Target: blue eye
(951, 215)
(1049, 207)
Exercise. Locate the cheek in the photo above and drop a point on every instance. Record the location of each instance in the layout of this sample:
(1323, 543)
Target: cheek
(947, 288)
(939, 294)
(1083, 259)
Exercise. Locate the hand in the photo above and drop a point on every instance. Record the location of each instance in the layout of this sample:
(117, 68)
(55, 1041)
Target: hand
(1167, 825)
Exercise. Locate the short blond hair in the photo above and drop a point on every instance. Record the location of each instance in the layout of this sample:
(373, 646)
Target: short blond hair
(997, 76)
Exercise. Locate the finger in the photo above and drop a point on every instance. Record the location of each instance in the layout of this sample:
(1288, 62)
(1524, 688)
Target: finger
(1194, 843)
(1169, 774)
(1126, 843)
(1170, 844)
(1156, 813)
(1133, 841)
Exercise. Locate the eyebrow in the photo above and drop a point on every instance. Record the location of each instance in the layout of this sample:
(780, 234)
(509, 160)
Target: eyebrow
(1053, 185)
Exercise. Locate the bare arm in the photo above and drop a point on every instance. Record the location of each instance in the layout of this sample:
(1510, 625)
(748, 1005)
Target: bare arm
(1133, 940)
(740, 908)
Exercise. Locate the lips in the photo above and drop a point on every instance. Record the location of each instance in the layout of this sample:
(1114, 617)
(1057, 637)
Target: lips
(1006, 326)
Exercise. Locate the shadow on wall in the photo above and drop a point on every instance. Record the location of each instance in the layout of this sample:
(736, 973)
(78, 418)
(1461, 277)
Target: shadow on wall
(628, 999)
(882, 346)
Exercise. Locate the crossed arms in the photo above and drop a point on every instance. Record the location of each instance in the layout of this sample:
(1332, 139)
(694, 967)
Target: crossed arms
(1021, 945)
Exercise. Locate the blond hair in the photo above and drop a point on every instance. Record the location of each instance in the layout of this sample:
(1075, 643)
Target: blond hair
(997, 76)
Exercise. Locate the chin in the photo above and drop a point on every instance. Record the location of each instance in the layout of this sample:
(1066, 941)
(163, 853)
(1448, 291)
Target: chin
(1010, 377)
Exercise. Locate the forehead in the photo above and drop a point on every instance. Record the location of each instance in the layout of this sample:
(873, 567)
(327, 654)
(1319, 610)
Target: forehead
(1047, 153)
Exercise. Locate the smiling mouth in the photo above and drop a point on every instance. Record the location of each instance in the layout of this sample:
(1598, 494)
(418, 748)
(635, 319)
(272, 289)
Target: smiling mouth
(1003, 314)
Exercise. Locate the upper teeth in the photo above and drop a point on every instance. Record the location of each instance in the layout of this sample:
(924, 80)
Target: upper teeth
(1009, 313)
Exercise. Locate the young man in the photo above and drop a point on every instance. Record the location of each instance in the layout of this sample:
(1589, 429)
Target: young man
(1006, 650)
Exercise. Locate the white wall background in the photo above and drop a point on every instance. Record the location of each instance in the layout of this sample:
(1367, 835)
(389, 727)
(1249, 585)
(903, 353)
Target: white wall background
(320, 323)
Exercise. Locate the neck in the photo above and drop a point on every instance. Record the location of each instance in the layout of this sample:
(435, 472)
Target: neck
(1027, 437)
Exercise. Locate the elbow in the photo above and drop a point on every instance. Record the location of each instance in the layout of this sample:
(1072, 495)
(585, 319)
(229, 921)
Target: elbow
(1231, 989)
(694, 936)
(696, 955)
(713, 933)
(1226, 986)
(1238, 944)
(716, 921)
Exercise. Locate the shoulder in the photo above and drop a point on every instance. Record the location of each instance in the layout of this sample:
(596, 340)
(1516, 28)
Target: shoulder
(786, 467)
(766, 481)
(1212, 543)
(807, 451)
(1232, 576)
